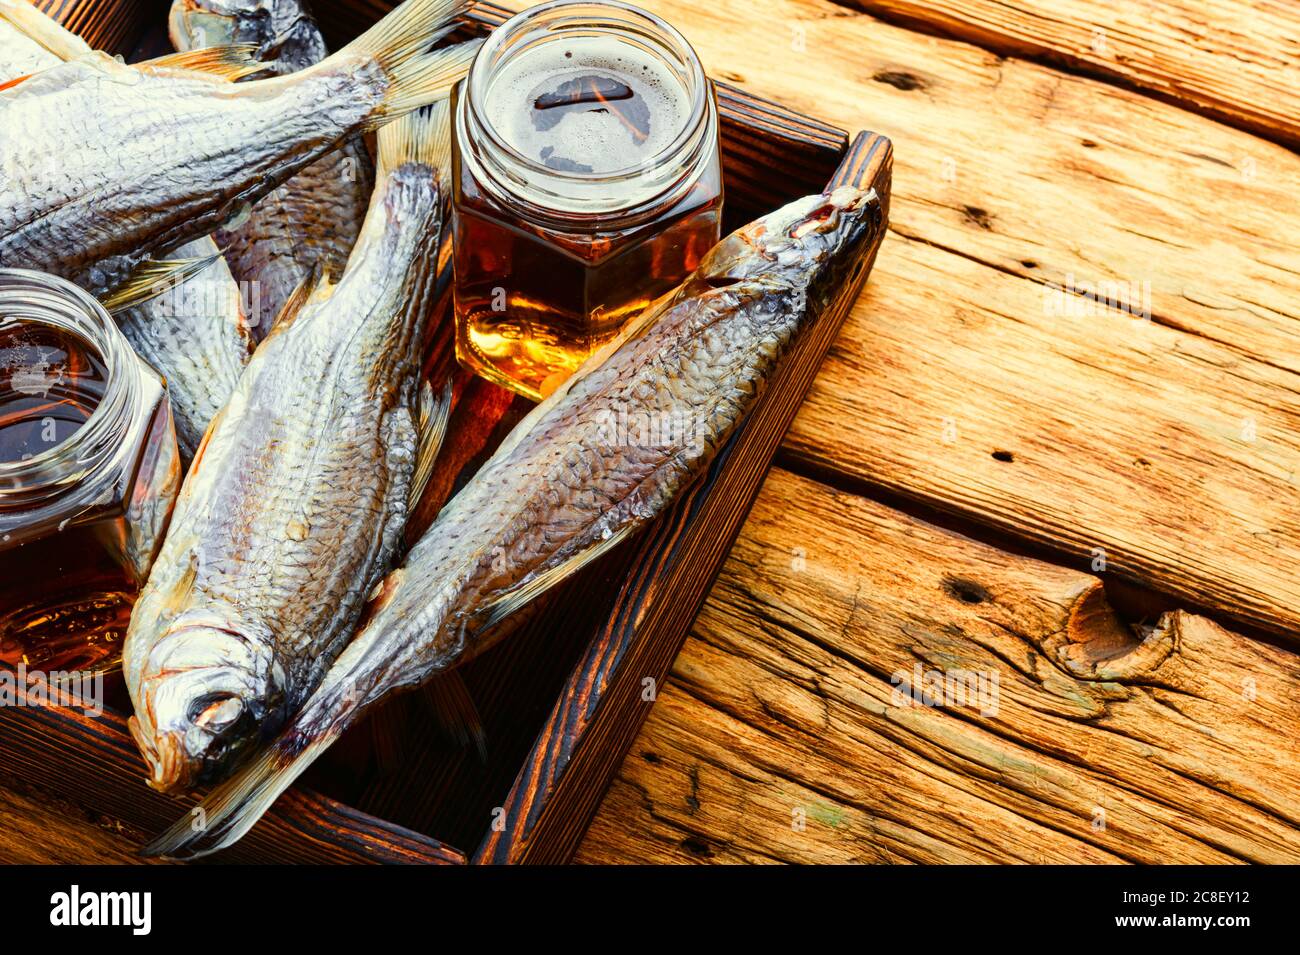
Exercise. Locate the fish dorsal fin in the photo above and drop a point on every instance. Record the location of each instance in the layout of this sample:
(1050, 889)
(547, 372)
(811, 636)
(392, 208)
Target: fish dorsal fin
(233, 62)
(454, 711)
(516, 597)
(435, 412)
(154, 277)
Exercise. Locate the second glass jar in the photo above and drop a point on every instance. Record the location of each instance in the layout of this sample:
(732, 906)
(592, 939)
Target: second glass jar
(586, 182)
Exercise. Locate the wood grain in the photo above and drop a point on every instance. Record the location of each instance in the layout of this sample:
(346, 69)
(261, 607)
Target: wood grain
(1169, 456)
(781, 736)
(1236, 61)
(38, 827)
(115, 28)
(1015, 182)
(91, 760)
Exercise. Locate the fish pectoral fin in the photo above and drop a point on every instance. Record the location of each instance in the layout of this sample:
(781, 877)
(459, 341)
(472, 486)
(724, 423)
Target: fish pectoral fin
(233, 62)
(516, 597)
(454, 711)
(435, 413)
(154, 277)
(316, 286)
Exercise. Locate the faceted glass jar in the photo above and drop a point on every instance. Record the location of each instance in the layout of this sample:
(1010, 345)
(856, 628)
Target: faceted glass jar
(551, 262)
(81, 519)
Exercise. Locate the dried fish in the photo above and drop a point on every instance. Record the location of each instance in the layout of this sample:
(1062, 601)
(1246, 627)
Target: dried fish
(89, 193)
(598, 459)
(194, 333)
(312, 220)
(296, 502)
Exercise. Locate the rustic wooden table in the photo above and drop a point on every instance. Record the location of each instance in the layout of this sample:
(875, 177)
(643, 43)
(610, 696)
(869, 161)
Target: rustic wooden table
(1056, 445)
(1057, 442)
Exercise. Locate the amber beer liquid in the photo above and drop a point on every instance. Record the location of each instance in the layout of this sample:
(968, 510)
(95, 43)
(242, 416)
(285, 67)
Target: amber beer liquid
(88, 474)
(586, 183)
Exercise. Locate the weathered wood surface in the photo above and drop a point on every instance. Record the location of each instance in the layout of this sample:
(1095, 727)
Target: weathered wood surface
(37, 827)
(1169, 443)
(780, 738)
(92, 761)
(1235, 60)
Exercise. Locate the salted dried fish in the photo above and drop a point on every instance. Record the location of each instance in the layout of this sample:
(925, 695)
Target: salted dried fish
(194, 333)
(296, 503)
(591, 464)
(86, 192)
(312, 221)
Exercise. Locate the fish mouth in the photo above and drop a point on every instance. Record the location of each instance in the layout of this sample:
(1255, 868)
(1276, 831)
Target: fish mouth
(829, 211)
(169, 768)
(209, 695)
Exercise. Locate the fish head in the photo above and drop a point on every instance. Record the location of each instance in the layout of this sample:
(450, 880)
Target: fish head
(277, 27)
(207, 694)
(812, 242)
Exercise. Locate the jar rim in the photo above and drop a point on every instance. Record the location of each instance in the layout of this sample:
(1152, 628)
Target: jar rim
(668, 36)
(86, 449)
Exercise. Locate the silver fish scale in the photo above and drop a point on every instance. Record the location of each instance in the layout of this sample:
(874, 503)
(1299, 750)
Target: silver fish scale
(102, 162)
(570, 482)
(297, 504)
(20, 55)
(573, 474)
(312, 219)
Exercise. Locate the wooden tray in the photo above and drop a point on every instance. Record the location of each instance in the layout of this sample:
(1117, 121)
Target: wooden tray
(564, 697)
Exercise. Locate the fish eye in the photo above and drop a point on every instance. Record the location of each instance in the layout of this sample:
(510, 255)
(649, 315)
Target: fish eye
(215, 710)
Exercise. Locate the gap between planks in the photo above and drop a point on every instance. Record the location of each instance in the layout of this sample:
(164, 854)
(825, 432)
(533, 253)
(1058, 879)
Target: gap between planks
(1247, 77)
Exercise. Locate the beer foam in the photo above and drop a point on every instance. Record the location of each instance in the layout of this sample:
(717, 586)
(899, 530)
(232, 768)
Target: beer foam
(588, 136)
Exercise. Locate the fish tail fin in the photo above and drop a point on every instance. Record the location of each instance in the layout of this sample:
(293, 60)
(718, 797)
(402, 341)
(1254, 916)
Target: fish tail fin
(227, 813)
(401, 44)
(435, 415)
(234, 62)
(426, 79)
(422, 136)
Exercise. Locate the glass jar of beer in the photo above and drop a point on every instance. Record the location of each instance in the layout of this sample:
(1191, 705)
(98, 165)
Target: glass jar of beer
(88, 474)
(586, 182)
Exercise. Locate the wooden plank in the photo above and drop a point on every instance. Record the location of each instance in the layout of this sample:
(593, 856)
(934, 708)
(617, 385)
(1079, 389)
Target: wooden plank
(1171, 457)
(91, 760)
(1018, 181)
(781, 736)
(1235, 60)
(39, 828)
